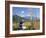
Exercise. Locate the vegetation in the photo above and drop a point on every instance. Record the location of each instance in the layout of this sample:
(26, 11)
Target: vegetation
(28, 23)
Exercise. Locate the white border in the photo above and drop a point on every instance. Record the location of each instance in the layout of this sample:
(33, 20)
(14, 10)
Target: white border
(25, 31)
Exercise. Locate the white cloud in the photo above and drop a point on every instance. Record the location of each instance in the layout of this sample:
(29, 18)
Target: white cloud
(22, 12)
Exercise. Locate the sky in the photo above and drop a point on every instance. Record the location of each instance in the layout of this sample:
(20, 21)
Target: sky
(24, 11)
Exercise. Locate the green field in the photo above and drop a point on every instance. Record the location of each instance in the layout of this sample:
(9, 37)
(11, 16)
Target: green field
(28, 25)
